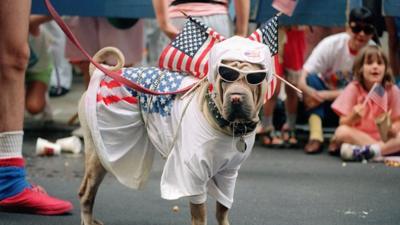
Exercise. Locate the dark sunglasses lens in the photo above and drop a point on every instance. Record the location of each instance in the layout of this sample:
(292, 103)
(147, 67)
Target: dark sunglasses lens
(256, 78)
(356, 29)
(228, 74)
(368, 29)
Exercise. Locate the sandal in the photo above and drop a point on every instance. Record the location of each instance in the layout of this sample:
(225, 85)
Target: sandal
(289, 136)
(334, 147)
(271, 138)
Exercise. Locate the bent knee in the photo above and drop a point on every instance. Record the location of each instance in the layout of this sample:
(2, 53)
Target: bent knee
(14, 58)
(342, 132)
(35, 106)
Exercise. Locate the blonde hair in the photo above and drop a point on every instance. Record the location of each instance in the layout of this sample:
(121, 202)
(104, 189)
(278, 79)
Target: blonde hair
(368, 52)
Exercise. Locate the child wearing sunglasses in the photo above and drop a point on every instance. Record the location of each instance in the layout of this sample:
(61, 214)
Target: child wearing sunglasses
(371, 95)
(328, 70)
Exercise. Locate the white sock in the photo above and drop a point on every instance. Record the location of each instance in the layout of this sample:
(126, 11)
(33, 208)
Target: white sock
(11, 144)
(376, 148)
(291, 120)
(266, 121)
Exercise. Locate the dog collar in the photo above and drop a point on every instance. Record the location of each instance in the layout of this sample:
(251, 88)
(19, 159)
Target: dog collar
(239, 129)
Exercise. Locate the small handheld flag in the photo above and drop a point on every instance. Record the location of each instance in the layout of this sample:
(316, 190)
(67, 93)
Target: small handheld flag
(378, 96)
(285, 6)
(188, 52)
(267, 34)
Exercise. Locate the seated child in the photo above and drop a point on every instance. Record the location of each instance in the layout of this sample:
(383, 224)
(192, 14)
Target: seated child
(371, 94)
(328, 70)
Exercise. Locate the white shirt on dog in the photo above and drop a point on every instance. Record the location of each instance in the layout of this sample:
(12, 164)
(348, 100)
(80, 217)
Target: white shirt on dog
(202, 159)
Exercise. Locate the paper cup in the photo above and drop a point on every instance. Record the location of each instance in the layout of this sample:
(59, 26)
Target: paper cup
(70, 144)
(46, 148)
(383, 122)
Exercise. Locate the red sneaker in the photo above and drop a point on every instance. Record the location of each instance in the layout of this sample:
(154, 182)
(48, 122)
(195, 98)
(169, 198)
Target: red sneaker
(36, 201)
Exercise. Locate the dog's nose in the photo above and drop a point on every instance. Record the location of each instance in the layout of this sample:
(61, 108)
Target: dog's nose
(236, 99)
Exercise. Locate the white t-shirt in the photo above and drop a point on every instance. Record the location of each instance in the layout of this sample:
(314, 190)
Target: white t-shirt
(128, 126)
(332, 61)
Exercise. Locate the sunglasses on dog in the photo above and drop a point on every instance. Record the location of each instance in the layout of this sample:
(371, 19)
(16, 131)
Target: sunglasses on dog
(357, 28)
(231, 74)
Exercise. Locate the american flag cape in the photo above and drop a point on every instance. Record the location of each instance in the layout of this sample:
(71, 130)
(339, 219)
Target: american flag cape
(267, 34)
(189, 51)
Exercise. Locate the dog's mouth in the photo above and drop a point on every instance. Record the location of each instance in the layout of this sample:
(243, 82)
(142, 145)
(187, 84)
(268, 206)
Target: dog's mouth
(239, 101)
(236, 108)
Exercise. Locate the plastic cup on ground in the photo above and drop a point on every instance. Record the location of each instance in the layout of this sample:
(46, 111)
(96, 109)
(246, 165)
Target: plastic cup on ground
(70, 144)
(46, 148)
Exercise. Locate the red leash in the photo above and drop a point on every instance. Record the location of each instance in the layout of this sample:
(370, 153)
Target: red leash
(116, 76)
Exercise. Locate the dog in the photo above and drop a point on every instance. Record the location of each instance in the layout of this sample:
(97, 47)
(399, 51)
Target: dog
(204, 135)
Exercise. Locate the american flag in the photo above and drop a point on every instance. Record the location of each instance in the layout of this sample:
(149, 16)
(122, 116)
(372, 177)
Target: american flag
(188, 52)
(112, 92)
(267, 34)
(378, 96)
(285, 6)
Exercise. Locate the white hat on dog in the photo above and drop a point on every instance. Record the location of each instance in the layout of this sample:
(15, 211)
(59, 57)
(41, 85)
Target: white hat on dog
(239, 49)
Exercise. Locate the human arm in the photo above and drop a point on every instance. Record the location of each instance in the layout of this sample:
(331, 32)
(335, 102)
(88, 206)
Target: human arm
(161, 11)
(394, 128)
(320, 62)
(35, 21)
(311, 97)
(329, 95)
(242, 10)
(353, 117)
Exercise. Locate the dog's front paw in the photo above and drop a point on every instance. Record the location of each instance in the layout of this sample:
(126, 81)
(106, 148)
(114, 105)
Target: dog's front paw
(94, 222)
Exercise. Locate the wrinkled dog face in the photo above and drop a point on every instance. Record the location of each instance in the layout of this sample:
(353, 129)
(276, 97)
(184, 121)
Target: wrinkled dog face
(240, 101)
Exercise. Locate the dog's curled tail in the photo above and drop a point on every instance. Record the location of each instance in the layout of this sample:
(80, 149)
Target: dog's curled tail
(106, 53)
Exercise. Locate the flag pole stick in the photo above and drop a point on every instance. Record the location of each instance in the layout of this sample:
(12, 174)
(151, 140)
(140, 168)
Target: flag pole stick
(186, 15)
(289, 84)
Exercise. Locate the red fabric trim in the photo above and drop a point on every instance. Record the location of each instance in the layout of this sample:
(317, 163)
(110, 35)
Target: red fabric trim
(278, 66)
(18, 162)
(205, 70)
(210, 87)
(114, 99)
(111, 84)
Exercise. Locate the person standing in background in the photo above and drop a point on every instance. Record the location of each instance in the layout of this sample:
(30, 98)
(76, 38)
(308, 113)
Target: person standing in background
(214, 13)
(16, 193)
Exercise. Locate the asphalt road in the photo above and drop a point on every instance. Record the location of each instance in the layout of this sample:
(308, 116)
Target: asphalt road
(275, 186)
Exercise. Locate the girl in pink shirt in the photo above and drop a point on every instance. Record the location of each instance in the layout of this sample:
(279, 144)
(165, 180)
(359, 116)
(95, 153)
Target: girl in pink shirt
(358, 108)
